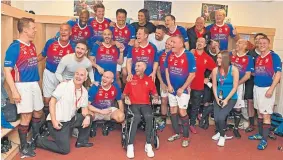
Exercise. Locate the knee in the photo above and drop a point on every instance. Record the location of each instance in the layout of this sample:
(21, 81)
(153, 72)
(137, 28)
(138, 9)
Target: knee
(183, 112)
(38, 114)
(120, 118)
(173, 110)
(26, 118)
(65, 150)
(148, 117)
(137, 117)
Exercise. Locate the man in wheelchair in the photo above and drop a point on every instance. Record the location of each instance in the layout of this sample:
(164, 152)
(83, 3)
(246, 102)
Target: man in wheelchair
(137, 94)
(102, 101)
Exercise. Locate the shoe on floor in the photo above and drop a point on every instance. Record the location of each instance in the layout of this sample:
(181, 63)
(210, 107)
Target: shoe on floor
(216, 136)
(193, 129)
(262, 145)
(75, 132)
(130, 151)
(255, 137)
(185, 142)
(174, 137)
(221, 142)
(26, 151)
(236, 133)
(148, 150)
(249, 129)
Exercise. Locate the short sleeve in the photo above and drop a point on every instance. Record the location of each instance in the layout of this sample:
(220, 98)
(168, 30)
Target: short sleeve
(84, 102)
(73, 45)
(119, 93)
(94, 50)
(12, 55)
(209, 27)
(71, 23)
(92, 93)
(60, 90)
(192, 62)
(277, 65)
(129, 54)
(47, 45)
(166, 60)
(231, 30)
(133, 32)
(155, 53)
(250, 66)
(127, 88)
(184, 34)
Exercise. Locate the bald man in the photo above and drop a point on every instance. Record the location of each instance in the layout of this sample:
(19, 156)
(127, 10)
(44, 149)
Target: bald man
(66, 100)
(197, 31)
(245, 65)
(137, 93)
(102, 101)
(106, 56)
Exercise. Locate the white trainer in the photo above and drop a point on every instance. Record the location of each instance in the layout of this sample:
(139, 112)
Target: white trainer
(216, 136)
(221, 142)
(130, 151)
(148, 150)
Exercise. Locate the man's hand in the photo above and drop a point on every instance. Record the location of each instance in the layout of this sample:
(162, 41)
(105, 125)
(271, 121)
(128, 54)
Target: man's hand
(112, 24)
(180, 91)
(206, 80)
(56, 124)
(235, 31)
(98, 42)
(127, 100)
(99, 69)
(133, 43)
(86, 122)
(164, 87)
(105, 111)
(94, 83)
(16, 97)
(170, 89)
(153, 76)
(155, 100)
(269, 93)
(129, 77)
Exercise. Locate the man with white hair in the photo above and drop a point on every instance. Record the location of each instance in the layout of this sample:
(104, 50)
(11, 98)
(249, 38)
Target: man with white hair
(66, 100)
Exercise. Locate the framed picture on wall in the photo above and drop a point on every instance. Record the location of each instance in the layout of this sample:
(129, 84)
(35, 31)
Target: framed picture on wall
(85, 4)
(158, 9)
(208, 11)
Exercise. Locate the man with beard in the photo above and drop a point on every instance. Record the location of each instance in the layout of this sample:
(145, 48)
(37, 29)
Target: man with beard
(159, 38)
(71, 62)
(106, 56)
(67, 98)
(53, 51)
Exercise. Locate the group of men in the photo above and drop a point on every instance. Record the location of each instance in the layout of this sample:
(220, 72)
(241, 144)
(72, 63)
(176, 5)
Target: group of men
(107, 52)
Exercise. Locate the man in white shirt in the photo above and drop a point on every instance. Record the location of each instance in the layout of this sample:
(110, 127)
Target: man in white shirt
(71, 62)
(67, 98)
(159, 37)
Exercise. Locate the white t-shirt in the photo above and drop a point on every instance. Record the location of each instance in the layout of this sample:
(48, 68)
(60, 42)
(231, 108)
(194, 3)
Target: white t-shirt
(67, 101)
(160, 45)
(68, 66)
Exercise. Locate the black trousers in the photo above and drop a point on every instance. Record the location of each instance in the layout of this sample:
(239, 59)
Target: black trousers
(62, 137)
(146, 112)
(196, 100)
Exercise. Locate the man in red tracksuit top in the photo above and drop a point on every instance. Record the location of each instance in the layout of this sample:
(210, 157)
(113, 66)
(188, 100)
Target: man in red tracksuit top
(137, 93)
(203, 62)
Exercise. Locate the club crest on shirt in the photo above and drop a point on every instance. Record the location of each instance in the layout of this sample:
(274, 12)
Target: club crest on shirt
(100, 27)
(237, 60)
(266, 60)
(182, 61)
(107, 51)
(120, 33)
(244, 60)
(113, 50)
(86, 33)
(215, 28)
(126, 31)
(112, 93)
(136, 50)
(205, 61)
(220, 30)
(106, 25)
(146, 83)
(106, 95)
(55, 47)
(149, 51)
(226, 29)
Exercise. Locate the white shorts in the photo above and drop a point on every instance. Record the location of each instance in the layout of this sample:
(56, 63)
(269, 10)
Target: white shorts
(182, 102)
(119, 67)
(98, 117)
(261, 103)
(163, 93)
(49, 83)
(31, 97)
(240, 92)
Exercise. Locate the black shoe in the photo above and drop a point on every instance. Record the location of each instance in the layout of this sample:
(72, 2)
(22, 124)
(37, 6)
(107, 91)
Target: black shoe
(236, 133)
(4, 148)
(272, 136)
(7, 143)
(26, 151)
(206, 125)
(249, 129)
(79, 145)
(93, 130)
(105, 130)
(202, 122)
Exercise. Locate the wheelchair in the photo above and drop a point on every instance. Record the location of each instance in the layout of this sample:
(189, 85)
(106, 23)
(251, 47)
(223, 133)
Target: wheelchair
(129, 117)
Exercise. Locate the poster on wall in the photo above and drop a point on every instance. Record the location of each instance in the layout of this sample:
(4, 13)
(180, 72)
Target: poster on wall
(158, 9)
(208, 11)
(6, 2)
(85, 4)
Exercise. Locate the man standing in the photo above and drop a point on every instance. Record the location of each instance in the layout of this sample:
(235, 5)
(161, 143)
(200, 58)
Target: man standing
(268, 70)
(21, 72)
(67, 98)
(203, 62)
(245, 65)
(71, 62)
(53, 51)
(106, 56)
(144, 21)
(197, 31)
(159, 38)
(125, 34)
(175, 30)
(180, 71)
(221, 31)
(249, 85)
(145, 52)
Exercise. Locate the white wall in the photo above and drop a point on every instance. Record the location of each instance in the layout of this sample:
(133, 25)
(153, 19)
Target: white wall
(257, 14)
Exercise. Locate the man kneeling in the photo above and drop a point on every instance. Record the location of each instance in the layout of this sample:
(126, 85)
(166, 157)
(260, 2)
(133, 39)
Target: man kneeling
(102, 101)
(67, 98)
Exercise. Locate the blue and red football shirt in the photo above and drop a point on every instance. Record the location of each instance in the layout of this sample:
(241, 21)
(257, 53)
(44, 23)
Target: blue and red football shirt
(124, 35)
(221, 33)
(106, 58)
(180, 31)
(179, 68)
(54, 52)
(98, 28)
(80, 33)
(147, 54)
(265, 68)
(104, 98)
(161, 60)
(23, 59)
(244, 64)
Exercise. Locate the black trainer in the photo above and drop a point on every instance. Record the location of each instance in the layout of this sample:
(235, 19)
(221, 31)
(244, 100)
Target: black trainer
(249, 129)
(26, 151)
(236, 133)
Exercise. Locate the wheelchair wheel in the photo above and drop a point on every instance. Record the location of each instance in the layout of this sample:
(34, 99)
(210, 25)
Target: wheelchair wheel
(156, 142)
(124, 141)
